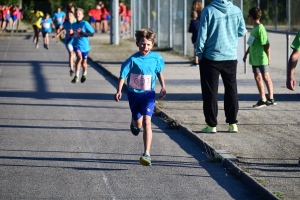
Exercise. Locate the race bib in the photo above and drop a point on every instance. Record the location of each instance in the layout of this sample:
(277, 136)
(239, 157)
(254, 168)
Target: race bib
(140, 82)
(46, 25)
(250, 40)
(59, 19)
(76, 34)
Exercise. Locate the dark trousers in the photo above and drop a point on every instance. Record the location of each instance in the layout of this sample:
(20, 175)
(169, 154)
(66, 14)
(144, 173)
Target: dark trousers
(209, 73)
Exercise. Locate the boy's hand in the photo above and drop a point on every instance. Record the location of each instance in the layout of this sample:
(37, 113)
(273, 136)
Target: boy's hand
(162, 93)
(118, 96)
(245, 58)
(71, 31)
(291, 83)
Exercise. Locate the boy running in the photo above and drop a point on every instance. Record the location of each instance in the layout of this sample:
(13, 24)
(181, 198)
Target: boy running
(58, 19)
(46, 29)
(36, 17)
(141, 70)
(68, 39)
(259, 50)
(80, 32)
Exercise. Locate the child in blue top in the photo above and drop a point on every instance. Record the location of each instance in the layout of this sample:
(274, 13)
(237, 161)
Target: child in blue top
(68, 40)
(193, 28)
(46, 29)
(58, 19)
(80, 32)
(141, 70)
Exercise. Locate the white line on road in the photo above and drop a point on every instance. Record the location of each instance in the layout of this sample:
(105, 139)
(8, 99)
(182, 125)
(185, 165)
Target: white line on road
(104, 177)
(5, 55)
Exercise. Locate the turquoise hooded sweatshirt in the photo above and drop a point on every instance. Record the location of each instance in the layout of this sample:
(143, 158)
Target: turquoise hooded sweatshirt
(221, 24)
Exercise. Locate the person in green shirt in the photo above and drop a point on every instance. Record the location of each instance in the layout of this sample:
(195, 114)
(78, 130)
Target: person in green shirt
(290, 80)
(259, 50)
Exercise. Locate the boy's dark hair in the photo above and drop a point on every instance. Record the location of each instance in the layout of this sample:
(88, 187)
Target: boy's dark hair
(145, 33)
(255, 13)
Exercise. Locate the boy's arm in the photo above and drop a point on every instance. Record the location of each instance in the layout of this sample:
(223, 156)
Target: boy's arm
(60, 32)
(118, 95)
(246, 53)
(163, 91)
(290, 79)
(267, 50)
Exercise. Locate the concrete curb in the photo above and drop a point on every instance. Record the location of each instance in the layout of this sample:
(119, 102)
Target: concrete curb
(229, 165)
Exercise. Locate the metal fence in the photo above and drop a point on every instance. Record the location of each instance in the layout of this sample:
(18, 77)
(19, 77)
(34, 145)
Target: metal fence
(170, 20)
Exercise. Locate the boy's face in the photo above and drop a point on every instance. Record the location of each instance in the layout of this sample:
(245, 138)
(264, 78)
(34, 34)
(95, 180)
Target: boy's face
(144, 46)
(79, 15)
(70, 17)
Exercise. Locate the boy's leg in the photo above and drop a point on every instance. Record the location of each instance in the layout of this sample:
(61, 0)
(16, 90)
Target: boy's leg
(147, 133)
(269, 84)
(85, 66)
(78, 65)
(260, 86)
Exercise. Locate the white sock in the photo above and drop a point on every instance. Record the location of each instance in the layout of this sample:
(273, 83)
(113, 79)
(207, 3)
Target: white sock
(84, 73)
(77, 73)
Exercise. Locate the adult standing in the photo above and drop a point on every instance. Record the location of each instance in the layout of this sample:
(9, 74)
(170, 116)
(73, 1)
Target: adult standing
(290, 80)
(221, 24)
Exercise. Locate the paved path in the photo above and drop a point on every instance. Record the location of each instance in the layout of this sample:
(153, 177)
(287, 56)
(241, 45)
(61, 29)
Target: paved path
(267, 145)
(72, 141)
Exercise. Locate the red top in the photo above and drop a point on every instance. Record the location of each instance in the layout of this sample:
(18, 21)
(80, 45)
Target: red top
(122, 11)
(104, 13)
(6, 11)
(97, 14)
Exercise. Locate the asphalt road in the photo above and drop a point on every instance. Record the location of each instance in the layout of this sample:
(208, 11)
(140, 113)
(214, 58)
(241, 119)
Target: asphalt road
(60, 140)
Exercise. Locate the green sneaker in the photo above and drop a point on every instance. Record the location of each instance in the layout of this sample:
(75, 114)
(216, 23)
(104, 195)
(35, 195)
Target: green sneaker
(233, 128)
(75, 79)
(83, 79)
(271, 102)
(145, 159)
(260, 104)
(209, 129)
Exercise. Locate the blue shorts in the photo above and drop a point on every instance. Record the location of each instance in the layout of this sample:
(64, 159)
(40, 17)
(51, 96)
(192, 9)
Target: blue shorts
(92, 19)
(84, 54)
(141, 103)
(14, 18)
(45, 32)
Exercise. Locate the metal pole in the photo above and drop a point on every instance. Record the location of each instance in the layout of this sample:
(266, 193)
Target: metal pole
(184, 27)
(148, 15)
(114, 32)
(288, 35)
(134, 14)
(140, 14)
(158, 22)
(258, 3)
(170, 24)
(132, 18)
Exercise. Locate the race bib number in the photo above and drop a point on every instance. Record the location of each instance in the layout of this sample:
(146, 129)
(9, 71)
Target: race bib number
(140, 82)
(76, 34)
(46, 25)
(59, 19)
(250, 40)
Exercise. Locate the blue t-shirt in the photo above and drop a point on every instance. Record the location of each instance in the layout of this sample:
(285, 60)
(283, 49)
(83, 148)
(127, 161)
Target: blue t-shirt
(58, 18)
(79, 41)
(141, 71)
(46, 25)
(68, 26)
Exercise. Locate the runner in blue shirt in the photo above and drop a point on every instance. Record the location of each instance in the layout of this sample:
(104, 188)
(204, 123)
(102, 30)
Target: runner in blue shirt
(80, 32)
(141, 70)
(68, 40)
(58, 19)
(46, 29)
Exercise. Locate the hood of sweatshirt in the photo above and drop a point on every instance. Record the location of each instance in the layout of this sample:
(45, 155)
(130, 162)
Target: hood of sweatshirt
(222, 5)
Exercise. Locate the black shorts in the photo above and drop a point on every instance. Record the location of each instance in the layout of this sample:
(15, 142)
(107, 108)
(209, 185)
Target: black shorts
(35, 28)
